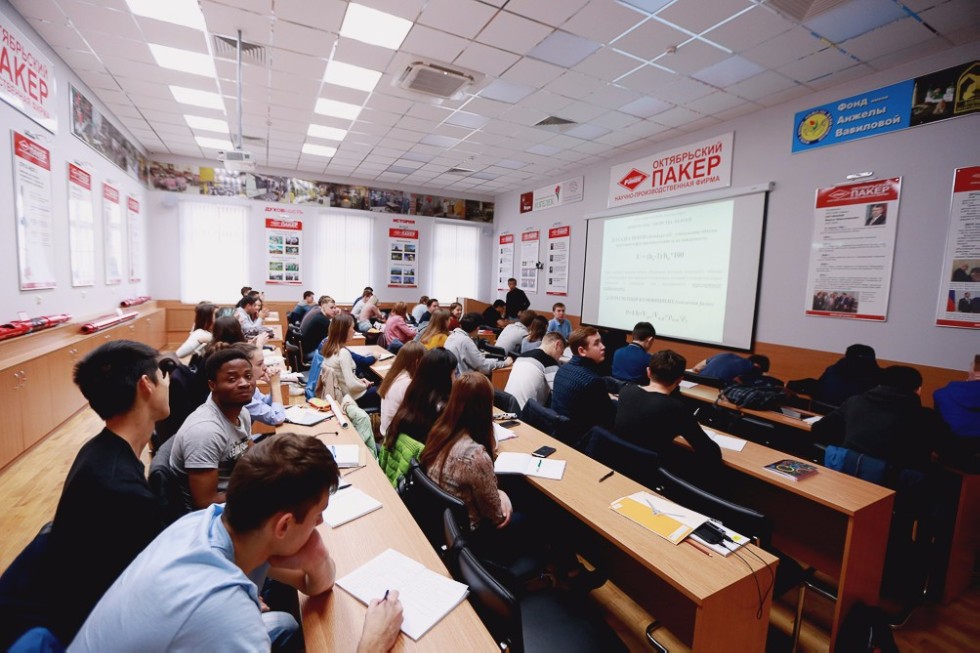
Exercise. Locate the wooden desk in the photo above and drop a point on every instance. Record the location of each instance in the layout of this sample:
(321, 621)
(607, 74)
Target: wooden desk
(380, 367)
(709, 395)
(333, 621)
(965, 541)
(276, 332)
(834, 522)
(709, 602)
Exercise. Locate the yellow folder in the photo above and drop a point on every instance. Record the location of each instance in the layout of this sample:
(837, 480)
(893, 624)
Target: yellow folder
(645, 515)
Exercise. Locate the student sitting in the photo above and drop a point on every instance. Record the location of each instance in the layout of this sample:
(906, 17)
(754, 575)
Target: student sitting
(579, 392)
(431, 307)
(195, 586)
(558, 322)
(247, 313)
(264, 408)
(397, 328)
(313, 328)
(107, 513)
(630, 362)
(437, 330)
(419, 309)
(533, 373)
(510, 338)
(461, 343)
(299, 311)
(733, 368)
(493, 317)
(338, 358)
(852, 375)
(200, 335)
(650, 417)
(455, 312)
(365, 311)
(535, 332)
(216, 435)
(396, 382)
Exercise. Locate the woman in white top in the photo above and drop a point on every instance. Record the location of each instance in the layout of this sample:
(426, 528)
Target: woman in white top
(337, 357)
(392, 389)
(200, 335)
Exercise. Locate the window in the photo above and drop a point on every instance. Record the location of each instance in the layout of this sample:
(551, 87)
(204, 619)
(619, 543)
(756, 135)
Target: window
(342, 259)
(213, 252)
(455, 261)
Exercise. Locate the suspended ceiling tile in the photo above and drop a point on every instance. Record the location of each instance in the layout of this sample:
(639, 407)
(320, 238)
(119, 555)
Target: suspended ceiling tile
(59, 34)
(788, 46)
(692, 57)
(748, 30)
(697, 16)
(550, 12)
(433, 44)
(608, 64)
(485, 59)
(368, 56)
(650, 40)
(602, 21)
(897, 35)
(328, 16)
(169, 34)
(463, 17)
(612, 97)
(729, 71)
(817, 65)
(575, 85)
(513, 33)
(531, 72)
(39, 9)
(95, 18)
(647, 79)
(761, 85)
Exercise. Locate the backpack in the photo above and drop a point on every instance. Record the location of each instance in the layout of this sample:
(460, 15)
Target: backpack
(865, 629)
(757, 397)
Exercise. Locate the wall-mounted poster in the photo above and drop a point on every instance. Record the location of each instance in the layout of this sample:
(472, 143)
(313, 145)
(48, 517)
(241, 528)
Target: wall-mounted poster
(32, 192)
(112, 224)
(959, 289)
(403, 253)
(133, 230)
(505, 260)
(27, 81)
(81, 226)
(556, 263)
(852, 250)
(564, 192)
(528, 280)
(284, 251)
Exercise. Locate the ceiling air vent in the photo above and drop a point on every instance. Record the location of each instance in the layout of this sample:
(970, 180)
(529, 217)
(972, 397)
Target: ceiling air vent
(555, 124)
(434, 79)
(803, 10)
(225, 47)
(460, 171)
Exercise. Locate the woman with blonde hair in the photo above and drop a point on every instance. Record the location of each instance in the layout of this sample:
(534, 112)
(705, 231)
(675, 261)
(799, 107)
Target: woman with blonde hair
(438, 330)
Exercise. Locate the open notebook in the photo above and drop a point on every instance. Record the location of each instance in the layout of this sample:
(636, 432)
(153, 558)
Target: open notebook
(347, 504)
(510, 462)
(426, 596)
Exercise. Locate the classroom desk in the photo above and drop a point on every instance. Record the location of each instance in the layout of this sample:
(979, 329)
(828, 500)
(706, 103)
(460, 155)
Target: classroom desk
(333, 621)
(380, 367)
(709, 602)
(709, 395)
(834, 522)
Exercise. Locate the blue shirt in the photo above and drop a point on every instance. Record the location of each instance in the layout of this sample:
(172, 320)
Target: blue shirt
(184, 592)
(580, 394)
(630, 364)
(564, 327)
(263, 409)
(727, 367)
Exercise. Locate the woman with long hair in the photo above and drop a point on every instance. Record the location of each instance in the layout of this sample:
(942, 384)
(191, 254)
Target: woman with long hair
(399, 377)
(455, 313)
(425, 397)
(535, 332)
(438, 330)
(200, 335)
(338, 358)
(397, 327)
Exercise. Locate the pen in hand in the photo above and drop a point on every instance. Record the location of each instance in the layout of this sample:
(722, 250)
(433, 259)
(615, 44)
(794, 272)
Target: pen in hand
(385, 597)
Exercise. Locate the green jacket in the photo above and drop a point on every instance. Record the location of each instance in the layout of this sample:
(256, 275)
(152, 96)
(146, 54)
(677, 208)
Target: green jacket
(395, 462)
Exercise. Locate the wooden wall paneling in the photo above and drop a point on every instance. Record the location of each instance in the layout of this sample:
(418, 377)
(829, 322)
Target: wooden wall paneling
(36, 400)
(12, 434)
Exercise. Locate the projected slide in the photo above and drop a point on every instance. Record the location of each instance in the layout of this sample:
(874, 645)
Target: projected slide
(651, 263)
(690, 270)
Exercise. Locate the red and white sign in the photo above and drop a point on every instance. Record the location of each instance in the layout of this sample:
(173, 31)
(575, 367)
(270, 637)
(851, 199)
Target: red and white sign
(284, 250)
(505, 260)
(853, 249)
(134, 230)
(27, 80)
(959, 288)
(564, 192)
(528, 279)
(112, 226)
(403, 254)
(81, 227)
(706, 165)
(33, 214)
(556, 261)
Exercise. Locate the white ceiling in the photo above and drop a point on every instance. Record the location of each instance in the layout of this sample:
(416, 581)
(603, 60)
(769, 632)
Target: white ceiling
(600, 63)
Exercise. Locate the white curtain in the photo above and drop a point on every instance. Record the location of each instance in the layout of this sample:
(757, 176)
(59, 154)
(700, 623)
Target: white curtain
(213, 252)
(455, 260)
(342, 254)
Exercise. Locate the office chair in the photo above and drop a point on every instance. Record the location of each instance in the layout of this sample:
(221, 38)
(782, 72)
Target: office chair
(547, 421)
(506, 402)
(543, 620)
(165, 485)
(634, 461)
(746, 521)
(426, 501)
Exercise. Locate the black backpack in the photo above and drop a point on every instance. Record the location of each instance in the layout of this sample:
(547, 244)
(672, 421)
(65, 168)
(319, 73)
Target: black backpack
(865, 629)
(188, 390)
(756, 397)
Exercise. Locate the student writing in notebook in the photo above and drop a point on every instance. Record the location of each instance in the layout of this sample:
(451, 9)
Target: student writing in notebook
(194, 587)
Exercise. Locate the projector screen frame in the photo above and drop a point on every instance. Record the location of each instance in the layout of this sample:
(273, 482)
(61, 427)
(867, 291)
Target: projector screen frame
(688, 200)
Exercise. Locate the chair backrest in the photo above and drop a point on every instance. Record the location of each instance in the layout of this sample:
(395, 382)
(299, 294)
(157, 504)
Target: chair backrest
(627, 458)
(547, 421)
(453, 537)
(497, 607)
(506, 402)
(166, 486)
(427, 502)
(293, 334)
(746, 521)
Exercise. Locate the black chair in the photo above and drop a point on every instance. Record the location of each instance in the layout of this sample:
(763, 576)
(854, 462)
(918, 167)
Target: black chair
(490, 351)
(709, 381)
(427, 502)
(543, 620)
(166, 486)
(627, 458)
(506, 402)
(748, 522)
(25, 589)
(547, 421)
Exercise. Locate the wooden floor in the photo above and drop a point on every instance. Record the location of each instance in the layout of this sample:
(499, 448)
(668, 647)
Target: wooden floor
(31, 485)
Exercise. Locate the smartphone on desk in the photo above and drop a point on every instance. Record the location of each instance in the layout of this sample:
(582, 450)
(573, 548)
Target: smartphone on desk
(510, 423)
(543, 452)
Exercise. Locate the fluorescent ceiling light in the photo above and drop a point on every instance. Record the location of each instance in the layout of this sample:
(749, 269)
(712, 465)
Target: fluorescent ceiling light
(214, 143)
(337, 109)
(186, 61)
(179, 12)
(329, 133)
(375, 27)
(207, 124)
(318, 150)
(198, 98)
(351, 76)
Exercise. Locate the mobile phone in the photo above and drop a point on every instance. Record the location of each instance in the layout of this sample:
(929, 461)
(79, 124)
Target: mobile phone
(510, 423)
(543, 452)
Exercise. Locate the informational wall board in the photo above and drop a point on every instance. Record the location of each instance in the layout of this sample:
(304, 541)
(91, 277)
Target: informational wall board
(505, 260)
(403, 253)
(959, 288)
(112, 226)
(284, 251)
(528, 280)
(134, 231)
(556, 263)
(81, 227)
(32, 210)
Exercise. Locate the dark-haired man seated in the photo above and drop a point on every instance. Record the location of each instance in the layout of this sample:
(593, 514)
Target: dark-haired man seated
(733, 368)
(194, 587)
(493, 317)
(107, 513)
(630, 362)
(218, 433)
(580, 392)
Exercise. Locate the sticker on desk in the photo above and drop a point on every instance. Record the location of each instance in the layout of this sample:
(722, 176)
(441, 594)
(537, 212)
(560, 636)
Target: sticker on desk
(665, 518)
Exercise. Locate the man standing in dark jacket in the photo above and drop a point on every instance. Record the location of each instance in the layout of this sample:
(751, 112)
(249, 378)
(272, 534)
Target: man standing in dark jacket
(517, 300)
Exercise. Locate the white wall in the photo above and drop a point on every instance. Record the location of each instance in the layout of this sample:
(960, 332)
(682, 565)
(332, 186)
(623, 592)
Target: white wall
(80, 302)
(924, 156)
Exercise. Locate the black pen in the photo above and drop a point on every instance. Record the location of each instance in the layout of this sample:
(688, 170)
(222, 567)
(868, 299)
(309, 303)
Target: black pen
(385, 597)
(611, 472)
